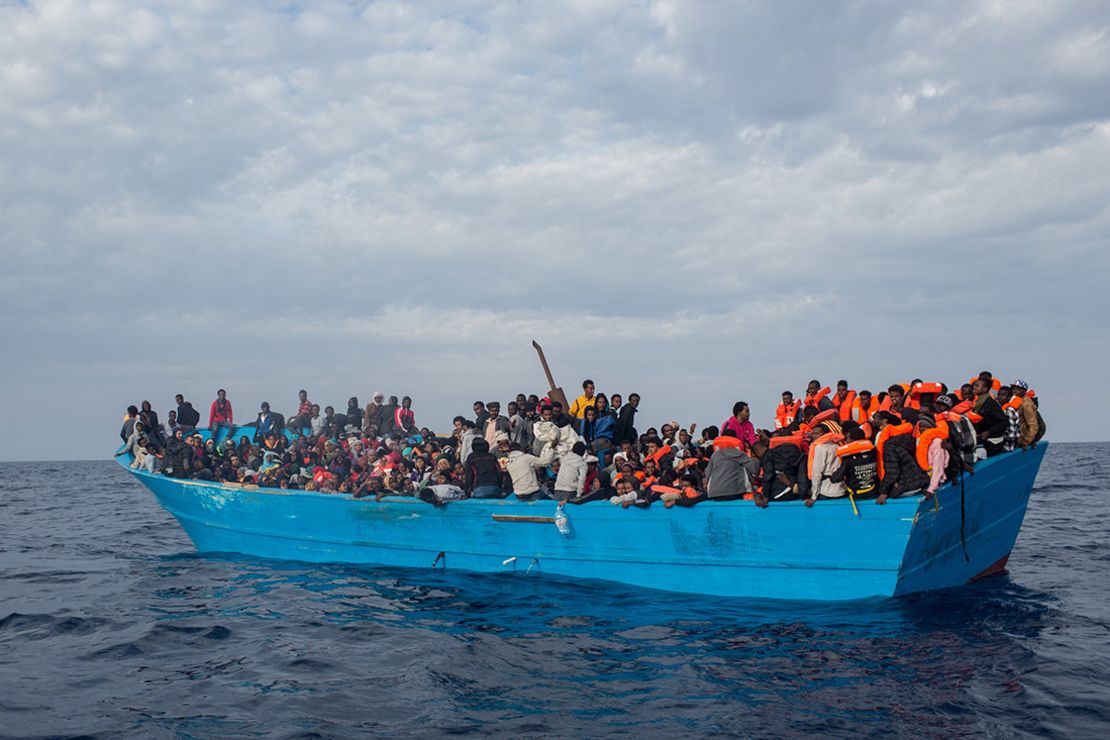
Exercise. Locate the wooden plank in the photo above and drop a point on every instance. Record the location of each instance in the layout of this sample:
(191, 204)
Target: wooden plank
(520, 518)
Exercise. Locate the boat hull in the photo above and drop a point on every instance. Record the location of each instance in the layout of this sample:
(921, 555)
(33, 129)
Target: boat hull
(787, 551)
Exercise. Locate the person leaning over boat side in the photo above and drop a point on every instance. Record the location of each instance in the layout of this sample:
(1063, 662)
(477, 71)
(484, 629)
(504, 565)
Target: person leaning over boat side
(483, 473)
(522, 467)
(901, 474)
(578, 408)
(129, 420)
(823, 464)
(1030, 421)
(991, 428)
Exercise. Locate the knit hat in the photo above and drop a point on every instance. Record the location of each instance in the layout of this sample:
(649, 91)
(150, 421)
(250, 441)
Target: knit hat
(944, 400)
(1020, 384)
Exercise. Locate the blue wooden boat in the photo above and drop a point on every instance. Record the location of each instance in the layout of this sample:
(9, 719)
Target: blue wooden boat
(827, 552)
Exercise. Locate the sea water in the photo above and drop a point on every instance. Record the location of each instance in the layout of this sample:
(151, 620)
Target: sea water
(111, 625)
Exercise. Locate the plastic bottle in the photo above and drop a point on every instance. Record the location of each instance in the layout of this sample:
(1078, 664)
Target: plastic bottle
(561, 522)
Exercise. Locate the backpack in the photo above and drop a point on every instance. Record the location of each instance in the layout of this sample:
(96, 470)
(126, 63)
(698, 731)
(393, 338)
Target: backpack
(961, 437)
(1040, 427)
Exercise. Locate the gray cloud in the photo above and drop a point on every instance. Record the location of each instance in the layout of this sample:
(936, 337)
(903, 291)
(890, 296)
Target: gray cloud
(706, 201)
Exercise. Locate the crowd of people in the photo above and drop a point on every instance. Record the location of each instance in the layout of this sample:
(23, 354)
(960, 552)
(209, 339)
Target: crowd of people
(909, 439)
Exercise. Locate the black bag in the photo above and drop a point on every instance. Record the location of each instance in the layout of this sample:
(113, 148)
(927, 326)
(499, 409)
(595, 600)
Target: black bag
(961, 436)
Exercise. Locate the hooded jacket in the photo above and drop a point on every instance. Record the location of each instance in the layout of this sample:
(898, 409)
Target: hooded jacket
(730, 472)
(789, 461)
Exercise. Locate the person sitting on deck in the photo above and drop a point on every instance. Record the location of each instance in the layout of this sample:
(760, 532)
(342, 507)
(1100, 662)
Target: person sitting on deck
(822, 464)
(899, 471)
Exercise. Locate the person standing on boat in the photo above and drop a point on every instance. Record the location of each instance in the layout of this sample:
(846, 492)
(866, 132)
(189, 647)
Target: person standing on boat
(626, 429)
(520, 424)
(495, 423)
(480, 415)
(371, 418)
(220, 415)
(187, 416)
(578, 408)
(388, 418)
(522, 467)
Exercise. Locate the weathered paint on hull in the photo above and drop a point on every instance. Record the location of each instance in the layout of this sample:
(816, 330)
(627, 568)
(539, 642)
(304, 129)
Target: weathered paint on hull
(729, 549)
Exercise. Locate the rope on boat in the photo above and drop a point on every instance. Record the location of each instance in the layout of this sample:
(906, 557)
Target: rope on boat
(442, 556)
(963, 516)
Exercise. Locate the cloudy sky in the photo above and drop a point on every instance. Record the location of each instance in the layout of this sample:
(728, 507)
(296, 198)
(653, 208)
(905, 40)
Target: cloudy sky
(699, 201)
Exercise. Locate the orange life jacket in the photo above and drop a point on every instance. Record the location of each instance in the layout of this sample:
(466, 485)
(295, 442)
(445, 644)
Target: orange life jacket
(823, 416)
(832, 437)
(815, 398)
(1013, 403)
(723, 440)
(659, 454)
(846, 406)
(785, 415)
(867, 430)
(861, 414)
(854, 448)
(890, 430)
(924, 440)
(995, 384)
(792, 439)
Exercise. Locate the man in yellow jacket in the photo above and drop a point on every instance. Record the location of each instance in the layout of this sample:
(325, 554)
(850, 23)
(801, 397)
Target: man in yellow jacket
(578, 408)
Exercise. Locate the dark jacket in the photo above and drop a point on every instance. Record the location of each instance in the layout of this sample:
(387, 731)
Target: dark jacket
(187, 416)
(901, 473)
(482, 469)
(387, 419)
(788, 460)
(859, 473)
(625, 426)
(994, 422)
